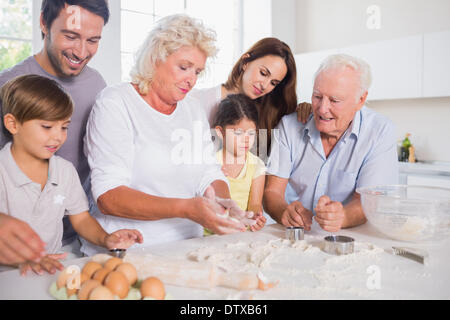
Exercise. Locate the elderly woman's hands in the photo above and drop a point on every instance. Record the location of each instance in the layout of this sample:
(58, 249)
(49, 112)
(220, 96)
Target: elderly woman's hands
(208, 214)
(221, 216)
(232, 209)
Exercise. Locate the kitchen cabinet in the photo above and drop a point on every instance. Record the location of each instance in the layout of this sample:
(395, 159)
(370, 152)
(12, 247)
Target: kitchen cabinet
(425, 174)
(396, 65)
(436, 78)
(428, 180)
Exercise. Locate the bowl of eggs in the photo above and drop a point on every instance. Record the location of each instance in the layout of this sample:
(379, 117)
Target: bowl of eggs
(110, 279)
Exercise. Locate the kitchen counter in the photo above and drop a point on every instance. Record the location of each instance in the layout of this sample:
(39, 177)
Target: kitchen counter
(303, 270)
(428, 167)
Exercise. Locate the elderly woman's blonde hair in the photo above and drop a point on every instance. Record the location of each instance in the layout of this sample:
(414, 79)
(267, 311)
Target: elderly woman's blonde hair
(170, 34)
(347, 61)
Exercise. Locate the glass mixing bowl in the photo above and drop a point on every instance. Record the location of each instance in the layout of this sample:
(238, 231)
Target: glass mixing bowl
(408, 212)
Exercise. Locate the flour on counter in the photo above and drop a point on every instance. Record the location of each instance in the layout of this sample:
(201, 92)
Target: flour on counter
(363, 251)
(284, 260)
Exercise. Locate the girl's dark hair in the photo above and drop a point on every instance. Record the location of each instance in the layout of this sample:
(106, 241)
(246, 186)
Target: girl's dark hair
(31, 97)
(283, 99)
(51, 8)
(233, 109)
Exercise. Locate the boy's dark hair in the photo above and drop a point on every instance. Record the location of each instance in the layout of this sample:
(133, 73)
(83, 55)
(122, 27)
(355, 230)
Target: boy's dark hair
(51, 8)
(233, 109)
(31, 97)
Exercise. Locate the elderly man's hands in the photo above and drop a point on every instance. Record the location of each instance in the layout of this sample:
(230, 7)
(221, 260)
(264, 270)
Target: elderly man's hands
(330, 214)
(295, 215)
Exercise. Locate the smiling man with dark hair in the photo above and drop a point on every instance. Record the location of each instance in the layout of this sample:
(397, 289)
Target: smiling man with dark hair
(71, 30)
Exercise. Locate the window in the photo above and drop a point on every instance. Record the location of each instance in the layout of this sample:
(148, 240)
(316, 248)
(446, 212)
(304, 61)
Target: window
(138, 18)
(15, 31)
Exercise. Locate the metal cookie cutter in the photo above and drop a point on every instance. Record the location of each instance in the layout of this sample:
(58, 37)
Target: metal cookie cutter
(339, 245)
(119, 253)
(295, 233)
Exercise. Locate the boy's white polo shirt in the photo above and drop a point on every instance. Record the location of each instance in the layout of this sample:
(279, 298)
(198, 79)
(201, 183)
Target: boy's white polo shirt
(44, 209)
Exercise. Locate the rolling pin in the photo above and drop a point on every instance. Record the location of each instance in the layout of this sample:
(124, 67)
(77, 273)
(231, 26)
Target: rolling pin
(192, 274)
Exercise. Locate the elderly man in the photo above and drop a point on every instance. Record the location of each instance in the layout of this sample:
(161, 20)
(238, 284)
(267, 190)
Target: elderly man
(315, 168)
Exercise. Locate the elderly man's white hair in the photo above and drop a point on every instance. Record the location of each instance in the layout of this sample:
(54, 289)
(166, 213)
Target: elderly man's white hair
(338, 61)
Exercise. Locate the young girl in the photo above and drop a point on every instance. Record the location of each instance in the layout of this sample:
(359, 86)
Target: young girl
(267, 74)
(235, 124)
(38, 187)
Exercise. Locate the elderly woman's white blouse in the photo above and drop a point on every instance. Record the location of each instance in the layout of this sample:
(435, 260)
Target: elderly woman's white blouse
(128, 143)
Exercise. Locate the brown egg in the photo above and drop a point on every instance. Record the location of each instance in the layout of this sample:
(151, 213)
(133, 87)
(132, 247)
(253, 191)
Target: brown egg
(86, 288)
(129, 271)
(112, 263)
(153, 287)
(117, 283)
(101, 293)
(101, 274)
(83, 278)
(90, 268)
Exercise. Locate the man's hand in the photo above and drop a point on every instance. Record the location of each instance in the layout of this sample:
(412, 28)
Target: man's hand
(18, 242)
(330, 214)
(295, 215)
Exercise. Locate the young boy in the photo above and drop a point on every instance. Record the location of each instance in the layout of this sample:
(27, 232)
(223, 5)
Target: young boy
(38, 187)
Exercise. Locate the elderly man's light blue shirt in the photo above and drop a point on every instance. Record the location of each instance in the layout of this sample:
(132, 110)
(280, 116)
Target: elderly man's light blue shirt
(366, 155)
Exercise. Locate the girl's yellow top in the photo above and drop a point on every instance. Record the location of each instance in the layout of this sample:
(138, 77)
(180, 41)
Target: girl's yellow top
(241, 185)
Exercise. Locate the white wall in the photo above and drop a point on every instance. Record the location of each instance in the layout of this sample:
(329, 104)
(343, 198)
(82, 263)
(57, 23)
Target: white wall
(428, 120)
(107, 60)
(328, 24)
(256, 21)
(284, 21)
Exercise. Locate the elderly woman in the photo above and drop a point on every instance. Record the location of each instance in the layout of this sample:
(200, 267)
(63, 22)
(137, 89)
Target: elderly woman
(345, 145)
(149, 146)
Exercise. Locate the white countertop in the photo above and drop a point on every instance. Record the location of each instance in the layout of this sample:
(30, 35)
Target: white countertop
(309, 274)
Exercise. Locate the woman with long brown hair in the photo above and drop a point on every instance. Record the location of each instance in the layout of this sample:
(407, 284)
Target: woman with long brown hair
(267, 74)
